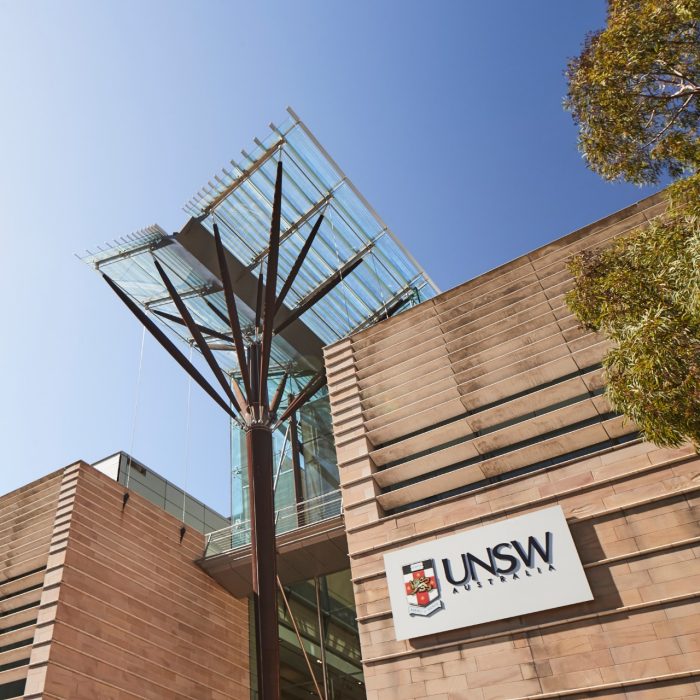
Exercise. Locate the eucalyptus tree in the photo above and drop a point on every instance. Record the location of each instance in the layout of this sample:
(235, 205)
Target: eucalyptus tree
(634, 92)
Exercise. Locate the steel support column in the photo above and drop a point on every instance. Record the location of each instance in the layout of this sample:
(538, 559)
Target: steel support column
(264, 555)
(296, 466)
(321, 633)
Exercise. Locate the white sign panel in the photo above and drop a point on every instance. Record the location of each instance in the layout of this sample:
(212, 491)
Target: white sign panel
(512, 567)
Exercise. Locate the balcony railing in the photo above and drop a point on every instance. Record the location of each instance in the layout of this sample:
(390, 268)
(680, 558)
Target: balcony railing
(292, 517)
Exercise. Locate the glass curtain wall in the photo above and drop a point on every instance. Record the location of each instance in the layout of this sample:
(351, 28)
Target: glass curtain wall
(305, 468)
(324, 613)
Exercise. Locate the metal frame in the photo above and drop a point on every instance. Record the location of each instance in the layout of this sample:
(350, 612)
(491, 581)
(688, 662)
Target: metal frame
(357, 193)
(284, 138)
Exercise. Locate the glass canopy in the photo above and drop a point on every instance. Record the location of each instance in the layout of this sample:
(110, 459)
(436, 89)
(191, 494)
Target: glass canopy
(239, 199)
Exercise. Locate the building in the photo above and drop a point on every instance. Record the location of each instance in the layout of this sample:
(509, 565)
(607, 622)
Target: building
(450, 419)
(101, 598)
(485, 405)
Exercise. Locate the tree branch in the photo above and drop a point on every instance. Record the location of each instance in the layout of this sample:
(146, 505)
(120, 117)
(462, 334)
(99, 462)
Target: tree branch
(670, 121)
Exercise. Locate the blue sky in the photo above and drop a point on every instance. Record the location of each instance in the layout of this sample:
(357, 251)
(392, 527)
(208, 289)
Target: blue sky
(447, 116)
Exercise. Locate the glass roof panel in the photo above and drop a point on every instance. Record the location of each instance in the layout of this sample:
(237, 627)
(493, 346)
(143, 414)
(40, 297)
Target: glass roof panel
(239, 199)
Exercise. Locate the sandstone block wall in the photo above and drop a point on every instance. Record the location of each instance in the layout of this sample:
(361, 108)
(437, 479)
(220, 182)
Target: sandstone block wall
(123, 611)
(27, 518)
(486, 403)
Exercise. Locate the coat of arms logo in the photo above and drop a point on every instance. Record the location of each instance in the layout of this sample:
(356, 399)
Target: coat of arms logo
(422, 588)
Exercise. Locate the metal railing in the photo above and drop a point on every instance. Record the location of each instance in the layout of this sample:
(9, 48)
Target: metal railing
(315, 510)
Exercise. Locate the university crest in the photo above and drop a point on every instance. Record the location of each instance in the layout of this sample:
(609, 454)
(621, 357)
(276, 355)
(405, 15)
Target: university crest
(421, 588)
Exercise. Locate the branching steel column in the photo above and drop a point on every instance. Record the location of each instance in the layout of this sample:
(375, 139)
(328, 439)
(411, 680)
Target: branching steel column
(251, 408)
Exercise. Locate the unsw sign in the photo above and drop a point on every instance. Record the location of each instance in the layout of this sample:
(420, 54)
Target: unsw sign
(513, 567)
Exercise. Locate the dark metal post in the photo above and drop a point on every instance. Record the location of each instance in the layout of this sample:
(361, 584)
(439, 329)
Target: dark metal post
(262, 534)
(264, 555)
(321, 634)
(296, 465)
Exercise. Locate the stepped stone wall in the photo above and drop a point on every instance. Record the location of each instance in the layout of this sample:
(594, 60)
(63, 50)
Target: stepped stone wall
(486, 403)
(118, 608)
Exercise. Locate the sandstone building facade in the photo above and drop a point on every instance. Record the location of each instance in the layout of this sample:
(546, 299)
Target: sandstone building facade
(486, 403)
(102, 599)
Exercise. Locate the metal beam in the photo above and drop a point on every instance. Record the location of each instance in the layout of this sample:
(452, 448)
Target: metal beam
(168, 344)
(268, 310)
(315, 383)
(236, 400)
(320, 291)
(296, 466)
(231, 307)
(275, 403)
(203, 329)
(245, 175)
(299, 639)
(298, 263)
(321, 634)
(222, 317)
(296, 225)
(259, 299)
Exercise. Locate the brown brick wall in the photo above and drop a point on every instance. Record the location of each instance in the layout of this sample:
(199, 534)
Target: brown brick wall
(129, 614)
(26, 528)
(488, 378)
